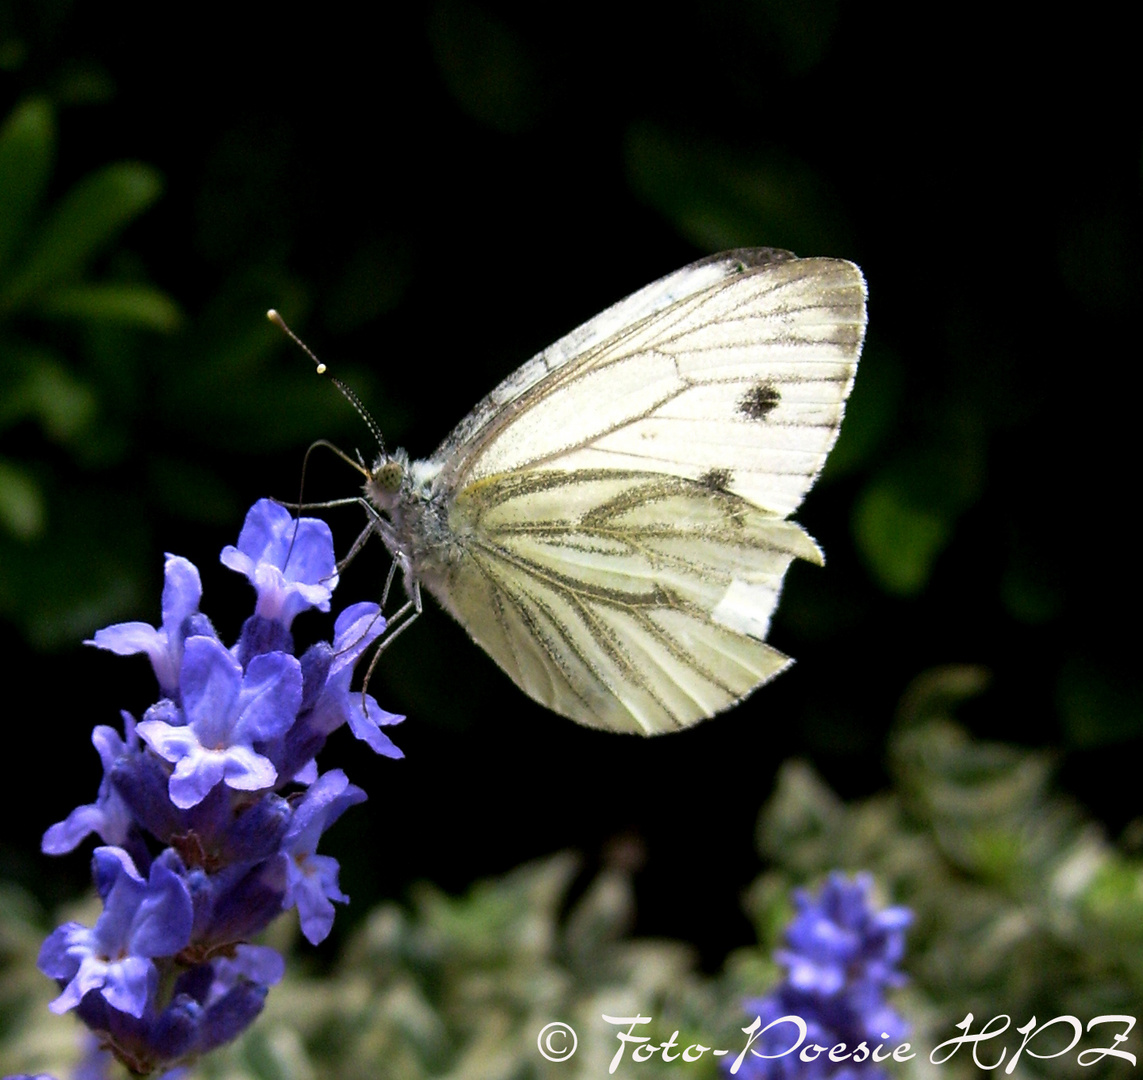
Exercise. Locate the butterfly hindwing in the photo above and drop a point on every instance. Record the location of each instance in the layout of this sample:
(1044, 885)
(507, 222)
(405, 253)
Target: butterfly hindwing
(629, 601)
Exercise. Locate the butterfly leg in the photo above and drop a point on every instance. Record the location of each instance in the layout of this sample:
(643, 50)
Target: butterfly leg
(358, 544)
(411, 608)
(388, 583)
(377, 524)
(413, 605)
(301, 506)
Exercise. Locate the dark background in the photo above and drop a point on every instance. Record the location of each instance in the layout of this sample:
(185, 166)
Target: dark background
(431, 193)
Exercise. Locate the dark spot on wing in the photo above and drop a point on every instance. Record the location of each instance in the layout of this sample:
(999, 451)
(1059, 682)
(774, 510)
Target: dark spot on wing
(716, 479)
(759, 401)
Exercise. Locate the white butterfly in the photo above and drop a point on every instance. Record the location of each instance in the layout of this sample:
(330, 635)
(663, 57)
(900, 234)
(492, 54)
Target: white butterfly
(609, 523)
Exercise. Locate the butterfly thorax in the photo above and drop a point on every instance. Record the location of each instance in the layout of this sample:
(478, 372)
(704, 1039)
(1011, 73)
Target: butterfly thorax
(418, 536)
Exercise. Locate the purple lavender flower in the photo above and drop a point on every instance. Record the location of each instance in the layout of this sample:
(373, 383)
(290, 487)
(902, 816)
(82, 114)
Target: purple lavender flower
(225, 712)
(840, 958)
(211, 808)
(141, 919)
(356, 629)
(182, 591)
(289, 561)
(108, 817)
(311, 879)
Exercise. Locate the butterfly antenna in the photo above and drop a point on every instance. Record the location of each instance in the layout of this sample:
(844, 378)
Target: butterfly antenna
(279, 322)
(300, 505)
(348, 394)
(362, 411)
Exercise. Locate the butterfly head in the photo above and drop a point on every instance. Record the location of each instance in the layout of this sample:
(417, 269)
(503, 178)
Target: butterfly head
(387, 478)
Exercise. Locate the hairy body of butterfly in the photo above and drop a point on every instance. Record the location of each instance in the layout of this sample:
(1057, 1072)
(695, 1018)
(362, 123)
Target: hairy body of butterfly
(609, 524)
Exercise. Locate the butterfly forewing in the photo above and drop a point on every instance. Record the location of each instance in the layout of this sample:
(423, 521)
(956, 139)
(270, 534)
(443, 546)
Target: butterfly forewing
(747, 375)
(499, 407)
(616, 508)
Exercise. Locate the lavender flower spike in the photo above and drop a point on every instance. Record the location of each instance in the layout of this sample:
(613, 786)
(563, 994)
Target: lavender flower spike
(211, 807)
(841, 956)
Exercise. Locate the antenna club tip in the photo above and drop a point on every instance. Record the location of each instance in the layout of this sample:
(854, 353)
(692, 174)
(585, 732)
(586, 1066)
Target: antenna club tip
(280, 323)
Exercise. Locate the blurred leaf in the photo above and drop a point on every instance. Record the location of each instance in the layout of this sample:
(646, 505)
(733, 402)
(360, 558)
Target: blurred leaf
(86, 220)
(1030, 588)
(27, 150)
(22, 509)
(76, 386)
(71, 581)
(13, 53)
(83, 82)
(372, 282)
(192, 492)
(898, 539)
(141, 306)
(804, 28)
(719, 196)
(1097, 259)
(906, 515)
(603, 915)
(1097, 705)
(486, 65)
(43, 389)
(938, 691)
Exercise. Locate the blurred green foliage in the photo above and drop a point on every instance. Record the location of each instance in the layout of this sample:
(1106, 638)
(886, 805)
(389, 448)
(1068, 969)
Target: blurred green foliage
(1021, 907)
(95, 361)
(57, 310)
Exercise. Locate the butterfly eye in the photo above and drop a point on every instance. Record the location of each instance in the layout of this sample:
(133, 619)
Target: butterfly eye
(387, 477)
